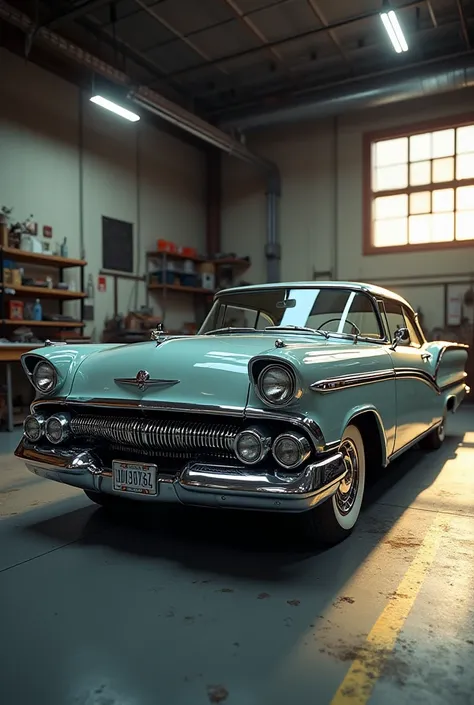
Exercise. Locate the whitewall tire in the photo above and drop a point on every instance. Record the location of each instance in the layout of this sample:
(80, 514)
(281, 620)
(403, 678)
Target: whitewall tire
(435, 439)
(335, 519)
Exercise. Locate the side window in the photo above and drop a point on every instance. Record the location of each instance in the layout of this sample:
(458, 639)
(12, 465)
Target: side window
(410, 324)
(395, 317)
(399, 317)
(344, 311)
(362, 314)
(237, 317)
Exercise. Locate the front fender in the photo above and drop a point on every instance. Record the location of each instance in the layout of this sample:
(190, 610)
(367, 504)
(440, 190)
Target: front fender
(66, 359)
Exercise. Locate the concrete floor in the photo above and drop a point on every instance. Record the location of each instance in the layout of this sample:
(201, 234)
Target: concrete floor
(187, 608)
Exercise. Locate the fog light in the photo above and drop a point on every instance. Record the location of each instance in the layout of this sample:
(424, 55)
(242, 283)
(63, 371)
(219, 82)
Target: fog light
(57, 428)
(251, 445)
(33, 427)
(290, 450)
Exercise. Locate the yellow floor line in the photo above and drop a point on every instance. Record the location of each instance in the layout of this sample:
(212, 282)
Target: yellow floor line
(357, 686)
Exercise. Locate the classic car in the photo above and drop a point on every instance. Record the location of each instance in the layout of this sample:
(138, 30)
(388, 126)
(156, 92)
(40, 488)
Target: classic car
(286, 398)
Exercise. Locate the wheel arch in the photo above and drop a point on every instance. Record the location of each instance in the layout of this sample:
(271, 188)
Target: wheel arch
(370, 425)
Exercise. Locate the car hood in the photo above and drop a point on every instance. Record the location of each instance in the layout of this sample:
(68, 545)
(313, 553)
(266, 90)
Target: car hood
(207, 370)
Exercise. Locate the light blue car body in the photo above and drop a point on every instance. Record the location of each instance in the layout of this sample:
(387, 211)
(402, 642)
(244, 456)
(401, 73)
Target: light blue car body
(404, 392)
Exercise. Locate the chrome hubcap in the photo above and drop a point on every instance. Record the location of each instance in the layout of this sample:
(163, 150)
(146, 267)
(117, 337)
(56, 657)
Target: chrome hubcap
(347, 492)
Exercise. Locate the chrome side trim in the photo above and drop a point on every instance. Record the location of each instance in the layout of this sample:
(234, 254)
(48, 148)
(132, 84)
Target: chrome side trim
(353, 380)
(334, 384)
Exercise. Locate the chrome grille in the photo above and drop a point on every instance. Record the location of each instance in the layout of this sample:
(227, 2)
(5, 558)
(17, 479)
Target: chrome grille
(158, 434)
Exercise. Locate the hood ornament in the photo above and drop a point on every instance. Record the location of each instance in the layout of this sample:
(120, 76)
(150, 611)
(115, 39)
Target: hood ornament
(158, 334)
(142, 378)
(142, 381)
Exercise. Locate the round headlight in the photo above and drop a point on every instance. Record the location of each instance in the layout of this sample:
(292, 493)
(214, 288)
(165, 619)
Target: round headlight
(251, 446)
(290, 450)
(57, 428)
(276, 385)
(33, 427)
(44, 377)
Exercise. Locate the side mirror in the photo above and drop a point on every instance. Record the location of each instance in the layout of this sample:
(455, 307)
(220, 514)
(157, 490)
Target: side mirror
(401, 336)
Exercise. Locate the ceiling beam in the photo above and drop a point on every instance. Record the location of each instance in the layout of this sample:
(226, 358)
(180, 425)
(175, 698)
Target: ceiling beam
(462, 20)
(75, 13)
(294, 38)
(158, 18)
(253, 28)
(331, 33)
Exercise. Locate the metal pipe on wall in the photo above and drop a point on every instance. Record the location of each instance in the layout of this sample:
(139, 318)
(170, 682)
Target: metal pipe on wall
(167, 110)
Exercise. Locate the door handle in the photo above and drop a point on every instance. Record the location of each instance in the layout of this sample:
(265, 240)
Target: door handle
(426, 357)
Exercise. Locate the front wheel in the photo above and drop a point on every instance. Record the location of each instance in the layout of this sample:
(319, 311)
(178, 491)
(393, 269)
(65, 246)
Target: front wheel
(435, 438)
(335, 519)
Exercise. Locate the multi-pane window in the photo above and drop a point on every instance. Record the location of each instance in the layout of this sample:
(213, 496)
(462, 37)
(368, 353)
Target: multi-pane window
(422, 189)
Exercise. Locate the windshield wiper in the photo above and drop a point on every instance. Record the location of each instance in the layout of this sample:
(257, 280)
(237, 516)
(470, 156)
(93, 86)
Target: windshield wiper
(303, 329)
(230, 329)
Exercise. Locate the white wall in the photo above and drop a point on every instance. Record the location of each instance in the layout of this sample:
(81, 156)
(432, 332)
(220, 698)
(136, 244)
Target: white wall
(131, 171)
(322, 200)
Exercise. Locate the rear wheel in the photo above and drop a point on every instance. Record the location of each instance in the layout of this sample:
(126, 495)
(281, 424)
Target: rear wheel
(435, 438)
(335, 519)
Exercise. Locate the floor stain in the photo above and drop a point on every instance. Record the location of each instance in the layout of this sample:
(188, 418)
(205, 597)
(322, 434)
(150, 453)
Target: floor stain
(263, 596)
(344, 598)
(293, 603)
(402, 543)
(217, 693)
(225, 590)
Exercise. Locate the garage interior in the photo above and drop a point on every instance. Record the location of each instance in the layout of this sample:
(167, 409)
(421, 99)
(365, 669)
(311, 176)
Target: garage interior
(265, 140)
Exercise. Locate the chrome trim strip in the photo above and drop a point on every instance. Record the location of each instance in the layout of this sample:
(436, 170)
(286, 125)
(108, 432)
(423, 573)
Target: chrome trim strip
(353, 380)
(159, 434)
(299, 420)
(334, 384)
(146, 383)
(274, 361)
(381, 429)
(143, 405)
(199, 483)
(451, 346)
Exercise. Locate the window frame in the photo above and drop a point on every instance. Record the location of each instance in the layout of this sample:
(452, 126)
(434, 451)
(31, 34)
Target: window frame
(407, 314)
(368, 195)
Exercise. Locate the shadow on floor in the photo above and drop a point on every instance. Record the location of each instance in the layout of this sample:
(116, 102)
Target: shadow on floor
(249, 545)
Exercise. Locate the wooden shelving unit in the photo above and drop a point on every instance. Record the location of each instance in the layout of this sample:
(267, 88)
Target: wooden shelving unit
(42, 324)
(41, 260)
(8, 291)
(163, 258)
(44, 293)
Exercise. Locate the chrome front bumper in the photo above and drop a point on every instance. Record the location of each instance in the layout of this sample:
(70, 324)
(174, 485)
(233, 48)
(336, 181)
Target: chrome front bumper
(202, 484)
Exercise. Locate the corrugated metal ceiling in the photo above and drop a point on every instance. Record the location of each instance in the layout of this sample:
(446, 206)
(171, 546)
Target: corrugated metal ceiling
(221, 53)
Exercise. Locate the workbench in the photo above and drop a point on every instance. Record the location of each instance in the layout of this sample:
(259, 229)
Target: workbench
(9, 353)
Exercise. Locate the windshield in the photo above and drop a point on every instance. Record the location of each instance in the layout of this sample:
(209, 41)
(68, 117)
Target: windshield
(340, 311)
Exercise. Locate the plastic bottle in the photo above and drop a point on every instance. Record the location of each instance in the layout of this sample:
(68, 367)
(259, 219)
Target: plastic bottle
(64, 250)
(37, 311)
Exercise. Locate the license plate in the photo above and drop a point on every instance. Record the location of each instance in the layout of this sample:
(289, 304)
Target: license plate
(139, 478)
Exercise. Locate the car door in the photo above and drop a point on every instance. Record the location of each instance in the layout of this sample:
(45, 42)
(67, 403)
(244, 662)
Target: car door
(416, 395)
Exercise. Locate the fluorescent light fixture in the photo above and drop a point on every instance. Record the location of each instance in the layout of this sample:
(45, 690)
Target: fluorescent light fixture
(394, 31)
(114, 108)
